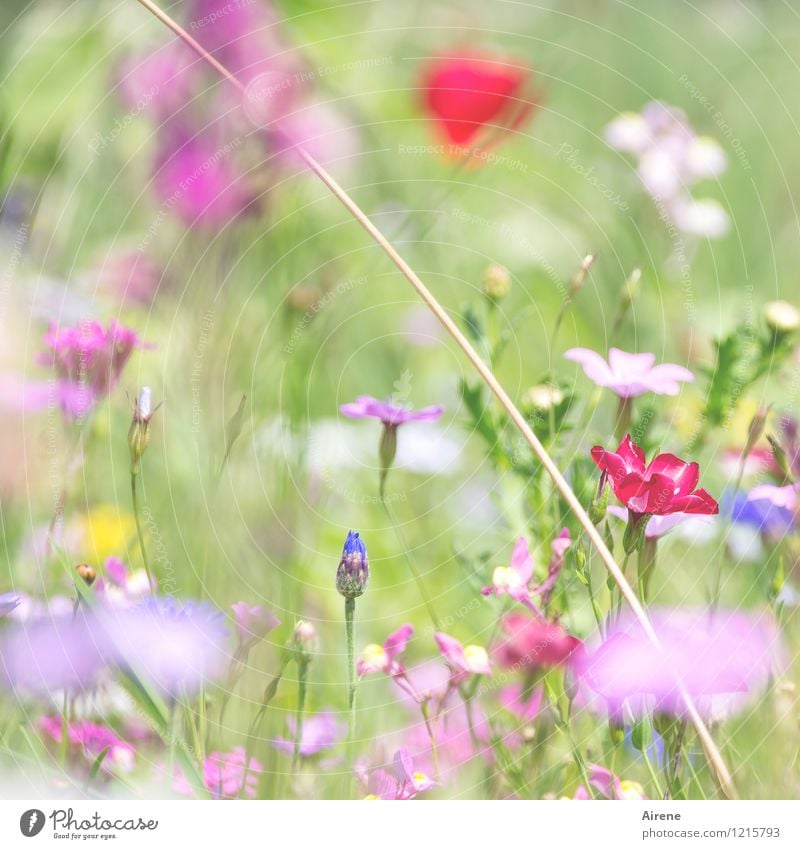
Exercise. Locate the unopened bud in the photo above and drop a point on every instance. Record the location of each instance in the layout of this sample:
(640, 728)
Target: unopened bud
(781, 317)
(756, 430)
(304, 641)
(353, 572)
(87, 573)
(496, 282)
(139, 431)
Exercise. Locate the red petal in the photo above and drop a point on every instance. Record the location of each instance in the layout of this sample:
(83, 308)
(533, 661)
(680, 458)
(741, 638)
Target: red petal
(684, 475)
(632, 454)
(466, 93)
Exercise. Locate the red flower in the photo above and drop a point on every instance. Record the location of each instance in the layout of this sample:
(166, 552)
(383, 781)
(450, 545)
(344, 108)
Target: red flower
(466, 93)
(532, 642)
(666, 486)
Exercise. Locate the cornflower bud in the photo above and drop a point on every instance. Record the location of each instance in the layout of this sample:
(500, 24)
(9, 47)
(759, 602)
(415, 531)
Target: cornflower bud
(353, 571)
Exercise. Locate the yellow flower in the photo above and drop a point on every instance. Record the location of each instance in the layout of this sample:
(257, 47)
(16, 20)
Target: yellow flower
(105, 531)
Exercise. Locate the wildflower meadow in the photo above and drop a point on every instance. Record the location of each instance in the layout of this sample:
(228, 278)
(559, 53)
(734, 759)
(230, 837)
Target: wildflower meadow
(399, 402)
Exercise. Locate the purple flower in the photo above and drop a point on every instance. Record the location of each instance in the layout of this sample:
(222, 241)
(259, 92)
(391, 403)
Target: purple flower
(253, 623)
(91, 740)
(630, 375)
(8, 602)
(172, 645)
(47, 654)
(320, 732)
(366, 407)
(723, 658)
(401, 783)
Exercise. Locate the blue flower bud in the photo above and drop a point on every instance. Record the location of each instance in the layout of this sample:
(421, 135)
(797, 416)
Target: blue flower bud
(353, 571)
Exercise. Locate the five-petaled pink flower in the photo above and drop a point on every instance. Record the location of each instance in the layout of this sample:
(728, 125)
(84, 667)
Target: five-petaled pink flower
(629, 375)
(514, 580)
(403, 782)
(365, 407)
(375, 658)
(667, 485)
(464, 661)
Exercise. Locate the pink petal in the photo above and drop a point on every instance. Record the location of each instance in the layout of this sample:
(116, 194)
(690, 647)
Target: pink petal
(522, 562)
(396, 642)
(593, 365)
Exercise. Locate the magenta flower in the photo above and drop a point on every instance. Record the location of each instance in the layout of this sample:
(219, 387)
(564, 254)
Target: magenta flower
(92, 739)
(375, 658)
(606, 785)
(253, 623)
(514, 580)
(88, 360)
(365, 407)
(162, 82)
(665, 486)
(198, 180)
(659, 525)
(320, 732)
(121, 588)
(630, 375)
(8, 602)
(402, 783)
(523, 704)
(464, 661)
(529, 642)
(722, 658)
(225, 776)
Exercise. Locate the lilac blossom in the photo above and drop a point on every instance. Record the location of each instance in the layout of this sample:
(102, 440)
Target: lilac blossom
(723, 659)
(321, 731)
(630, 375)
(8, 602)
(365, 406)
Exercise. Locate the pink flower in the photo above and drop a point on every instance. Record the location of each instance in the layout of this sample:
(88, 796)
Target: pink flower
(365, 406)
(162, 81)
(91, 739)
(121, 588)
(630, 375)
(225, 776)
(403, 782)
(659, 525)
(525, 705)
(253, 623)
(533, 643)
(320, 732)
(197, 178)
(513, 580)
(665, 486)
(606, 785)
(465, 661)
(88, 360)
(715, 654)
(375, 658)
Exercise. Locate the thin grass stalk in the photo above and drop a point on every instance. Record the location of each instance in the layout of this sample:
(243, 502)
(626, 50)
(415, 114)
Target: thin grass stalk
(712, 752)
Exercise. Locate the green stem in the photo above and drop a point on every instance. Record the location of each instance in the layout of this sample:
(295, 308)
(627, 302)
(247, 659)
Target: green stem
(302, 672)
(140, 534)
(349, 616)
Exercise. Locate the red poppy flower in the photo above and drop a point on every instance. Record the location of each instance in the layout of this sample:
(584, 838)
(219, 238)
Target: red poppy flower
(464, 94)
(666, 486)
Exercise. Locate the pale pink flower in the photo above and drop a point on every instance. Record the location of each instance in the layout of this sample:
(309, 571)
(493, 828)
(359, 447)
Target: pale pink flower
(321, 731)
(722, 657)
(464, 661)
(253, 623)
(401, 783)
(377, 658)
(660, 525)
(365, 406)
(630, 375)
(606, 785)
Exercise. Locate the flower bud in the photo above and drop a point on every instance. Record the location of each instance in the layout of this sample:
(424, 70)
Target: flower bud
(542, 398)
(353, 571)
(756, 430)
(304, 641)
(87, 573)
(496, 282)
(781, 317)
(139, 432)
